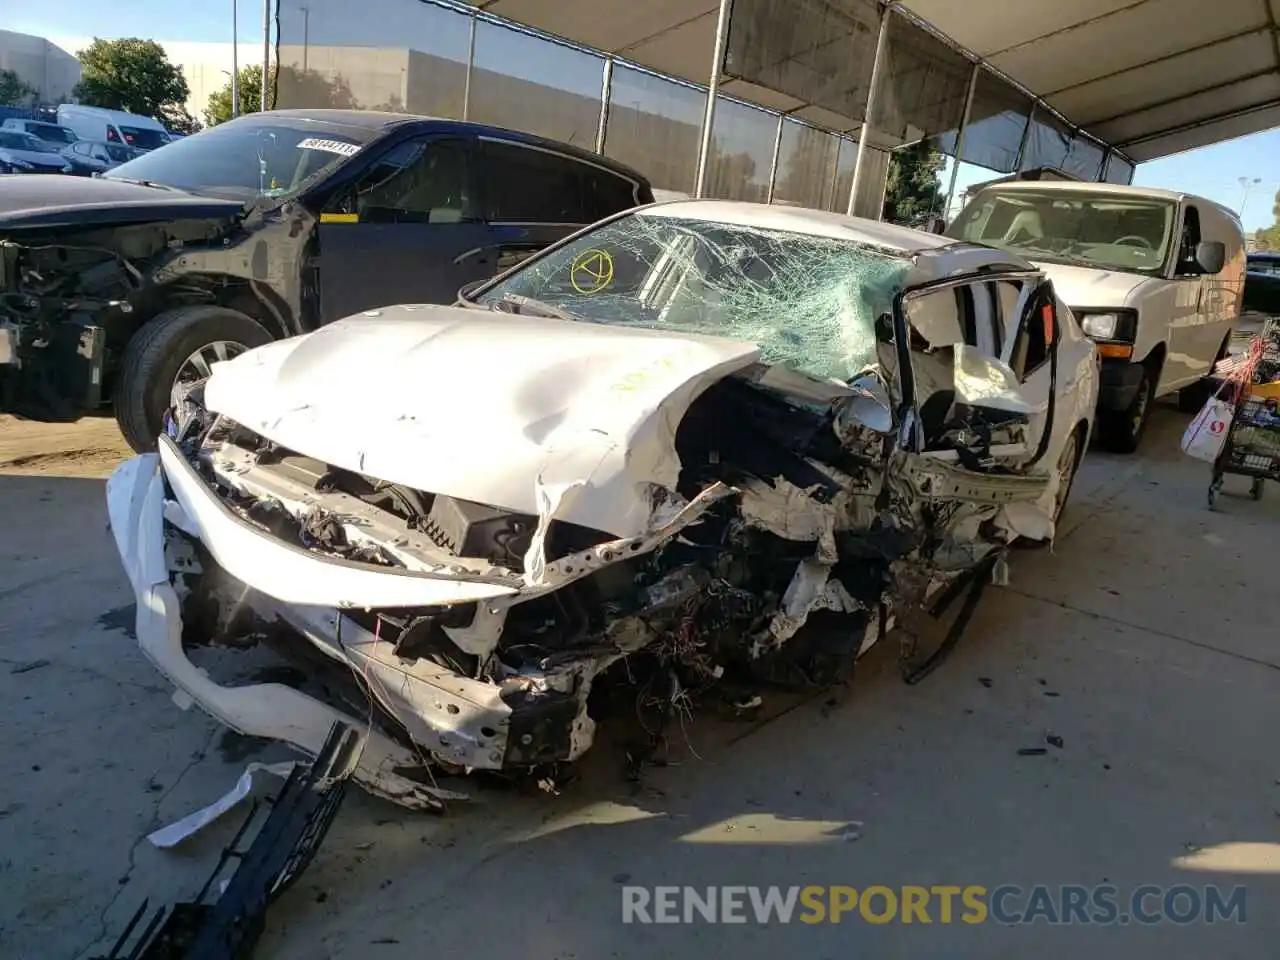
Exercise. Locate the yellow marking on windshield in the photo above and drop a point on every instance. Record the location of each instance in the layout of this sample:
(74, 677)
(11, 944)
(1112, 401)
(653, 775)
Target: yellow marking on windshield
(591, 272)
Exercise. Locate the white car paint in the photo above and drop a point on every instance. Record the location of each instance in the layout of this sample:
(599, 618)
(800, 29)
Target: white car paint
(528, 398)
(559, 419)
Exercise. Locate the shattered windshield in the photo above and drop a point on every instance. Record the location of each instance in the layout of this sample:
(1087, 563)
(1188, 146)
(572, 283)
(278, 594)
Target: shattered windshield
(1099, 230)
(810, 302)
(246, 158)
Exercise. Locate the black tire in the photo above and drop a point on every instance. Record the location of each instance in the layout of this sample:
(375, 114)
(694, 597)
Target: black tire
(1120, 431)
(1191, 399)
(154, 356)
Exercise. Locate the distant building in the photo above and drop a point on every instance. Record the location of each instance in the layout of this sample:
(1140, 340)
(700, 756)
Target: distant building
(47, 68)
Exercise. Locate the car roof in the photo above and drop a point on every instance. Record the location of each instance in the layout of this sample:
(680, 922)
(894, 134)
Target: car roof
(375, 121)
(934, 257)
(1264, 255)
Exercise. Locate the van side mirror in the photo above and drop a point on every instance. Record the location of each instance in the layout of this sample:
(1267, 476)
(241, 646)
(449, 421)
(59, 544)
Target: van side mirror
(1211, 255)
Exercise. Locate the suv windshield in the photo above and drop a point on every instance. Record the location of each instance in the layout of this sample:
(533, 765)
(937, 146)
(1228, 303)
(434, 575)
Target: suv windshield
(1100, 230)
(246, 158)
(17, 140)
(52, 133)
(810, 302)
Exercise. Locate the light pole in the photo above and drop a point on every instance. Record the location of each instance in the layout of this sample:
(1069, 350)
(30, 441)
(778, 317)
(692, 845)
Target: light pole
(235, 64)
(1247, 184)
(306, 31)
(266, 52)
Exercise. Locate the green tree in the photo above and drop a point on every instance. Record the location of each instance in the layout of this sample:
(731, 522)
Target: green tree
(293, 87)
(250, 95)
(133, 75)
(1268, 238)
(914, 189)
(14, 91)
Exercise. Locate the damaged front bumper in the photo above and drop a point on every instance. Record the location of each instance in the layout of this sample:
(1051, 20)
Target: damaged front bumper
(455, 720)
(138, 506)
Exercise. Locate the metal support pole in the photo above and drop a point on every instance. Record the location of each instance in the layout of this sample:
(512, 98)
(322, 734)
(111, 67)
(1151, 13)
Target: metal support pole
(266, 53)
(877, 67)
(829, 199)
(964, 125)
(773, 164)
(471, 59)
(606, 91)
(1106, 165)
(306, 35)
(713, 90)
(235, 64)
(1026, 135)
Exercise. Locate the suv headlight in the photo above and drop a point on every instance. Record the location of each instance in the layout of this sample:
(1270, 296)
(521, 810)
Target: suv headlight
(1112, 325)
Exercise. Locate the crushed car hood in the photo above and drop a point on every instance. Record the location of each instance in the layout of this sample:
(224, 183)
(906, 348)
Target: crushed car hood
(536, 415)
(52, 200)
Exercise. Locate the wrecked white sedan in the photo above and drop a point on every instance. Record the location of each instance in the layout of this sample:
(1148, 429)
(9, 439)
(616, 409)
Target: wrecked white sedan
(720, 443)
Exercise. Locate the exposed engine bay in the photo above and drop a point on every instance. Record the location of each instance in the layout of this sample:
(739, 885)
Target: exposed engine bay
(793, 540)
(72, 295)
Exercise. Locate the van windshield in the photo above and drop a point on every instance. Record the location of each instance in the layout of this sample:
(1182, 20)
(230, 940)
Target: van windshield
(247, 158)
(1100, 230)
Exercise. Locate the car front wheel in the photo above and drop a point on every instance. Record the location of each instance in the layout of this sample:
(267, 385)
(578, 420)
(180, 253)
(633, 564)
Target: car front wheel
(178, 346)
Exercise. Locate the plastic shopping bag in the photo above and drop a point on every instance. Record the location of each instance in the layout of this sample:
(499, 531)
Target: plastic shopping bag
(1206, 434)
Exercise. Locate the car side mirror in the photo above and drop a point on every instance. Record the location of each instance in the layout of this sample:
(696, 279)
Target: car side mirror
(1211, 255)
(988, 383)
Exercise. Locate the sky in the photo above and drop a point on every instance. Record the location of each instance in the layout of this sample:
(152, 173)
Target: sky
(1213, 172)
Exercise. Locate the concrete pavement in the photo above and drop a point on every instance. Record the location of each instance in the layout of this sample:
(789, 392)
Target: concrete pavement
(1146, 641)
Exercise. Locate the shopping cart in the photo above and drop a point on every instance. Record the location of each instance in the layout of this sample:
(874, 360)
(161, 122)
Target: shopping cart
(1252, 444)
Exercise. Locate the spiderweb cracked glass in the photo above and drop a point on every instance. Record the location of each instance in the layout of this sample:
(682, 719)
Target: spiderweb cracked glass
(809, 302)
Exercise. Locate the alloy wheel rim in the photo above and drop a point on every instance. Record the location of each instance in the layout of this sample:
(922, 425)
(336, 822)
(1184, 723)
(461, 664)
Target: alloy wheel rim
(197, 366)
(1140, 408)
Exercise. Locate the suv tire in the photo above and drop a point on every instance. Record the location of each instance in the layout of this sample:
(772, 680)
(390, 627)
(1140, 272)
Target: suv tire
(158, 351)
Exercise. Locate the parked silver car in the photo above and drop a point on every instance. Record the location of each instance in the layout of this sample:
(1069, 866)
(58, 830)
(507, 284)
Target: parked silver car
(88, 157)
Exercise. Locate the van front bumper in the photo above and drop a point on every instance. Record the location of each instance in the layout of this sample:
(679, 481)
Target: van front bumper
(1118, 383)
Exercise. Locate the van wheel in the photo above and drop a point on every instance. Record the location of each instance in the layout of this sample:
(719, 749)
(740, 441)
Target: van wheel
(1120, 431)
(177, 346)
(1192, 398)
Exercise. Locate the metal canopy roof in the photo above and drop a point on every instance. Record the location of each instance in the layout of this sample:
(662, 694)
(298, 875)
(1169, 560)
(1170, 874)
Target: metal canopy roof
(1151, 77)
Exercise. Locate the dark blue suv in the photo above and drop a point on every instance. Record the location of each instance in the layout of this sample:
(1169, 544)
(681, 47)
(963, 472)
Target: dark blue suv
(264, 227)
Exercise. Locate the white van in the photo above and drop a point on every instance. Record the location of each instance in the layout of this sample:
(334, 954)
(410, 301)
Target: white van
(1154, 277)
(113, 126)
